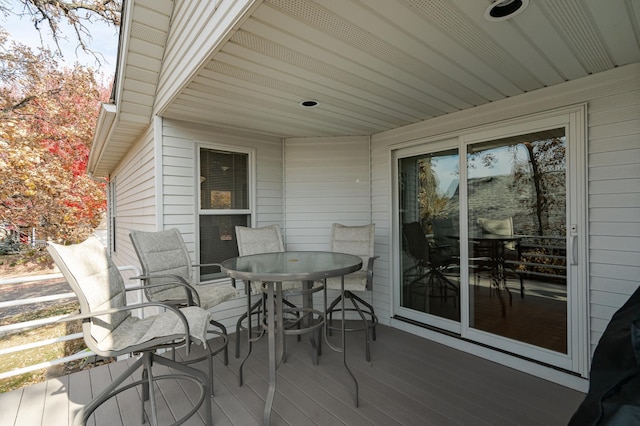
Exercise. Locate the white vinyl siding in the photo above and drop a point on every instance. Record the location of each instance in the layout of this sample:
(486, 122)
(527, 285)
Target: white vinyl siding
(135, 196)
(614, 199)
(327, 180)
(179, 149)
(613, 106)
(179, 165)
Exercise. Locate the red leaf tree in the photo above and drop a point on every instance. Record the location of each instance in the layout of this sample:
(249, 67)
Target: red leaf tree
(47, 119)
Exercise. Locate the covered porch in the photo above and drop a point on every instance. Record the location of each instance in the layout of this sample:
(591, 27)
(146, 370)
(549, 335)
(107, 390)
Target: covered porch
(411, 381)
(396, 83)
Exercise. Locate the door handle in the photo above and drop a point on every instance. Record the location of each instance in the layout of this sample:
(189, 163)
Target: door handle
(573, 247)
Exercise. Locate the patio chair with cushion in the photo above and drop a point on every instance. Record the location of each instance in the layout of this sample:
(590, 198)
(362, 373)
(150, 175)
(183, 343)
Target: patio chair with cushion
(167, 276)
(359, 241)
(110, 329)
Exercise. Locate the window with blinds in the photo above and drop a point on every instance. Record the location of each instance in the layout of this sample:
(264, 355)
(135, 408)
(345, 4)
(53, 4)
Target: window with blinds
(224, 204)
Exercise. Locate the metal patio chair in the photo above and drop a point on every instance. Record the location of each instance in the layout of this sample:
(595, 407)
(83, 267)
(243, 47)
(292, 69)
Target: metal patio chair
(167, 277)
(359, 241)
(110, 330)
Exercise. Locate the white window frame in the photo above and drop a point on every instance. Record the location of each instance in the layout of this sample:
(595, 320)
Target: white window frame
(250, 211)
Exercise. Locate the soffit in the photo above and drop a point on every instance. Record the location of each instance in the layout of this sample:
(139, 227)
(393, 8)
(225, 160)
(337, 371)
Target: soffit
(372, 65)
(380, 64)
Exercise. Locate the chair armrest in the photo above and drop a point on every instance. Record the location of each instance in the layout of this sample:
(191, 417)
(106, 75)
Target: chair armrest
(86, 317)
(204, 265)
(370, 272)
(189, 290)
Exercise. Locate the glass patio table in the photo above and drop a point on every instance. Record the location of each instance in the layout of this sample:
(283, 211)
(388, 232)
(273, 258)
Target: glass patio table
(273, 269)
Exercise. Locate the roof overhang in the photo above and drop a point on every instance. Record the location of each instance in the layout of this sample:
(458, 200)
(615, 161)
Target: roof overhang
(373, 66)
(104, 127)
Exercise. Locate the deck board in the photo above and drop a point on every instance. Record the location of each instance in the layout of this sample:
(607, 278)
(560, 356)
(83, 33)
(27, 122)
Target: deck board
(411, 381)
(9, 406)
(56, 407)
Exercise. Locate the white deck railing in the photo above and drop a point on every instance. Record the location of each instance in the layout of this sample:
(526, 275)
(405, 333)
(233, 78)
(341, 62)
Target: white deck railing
(43, 321)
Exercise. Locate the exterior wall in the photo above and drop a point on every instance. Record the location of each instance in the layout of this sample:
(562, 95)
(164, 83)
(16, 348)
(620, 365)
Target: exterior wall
(135, 203)
(613, 100)
(614, 198)
(326, 181)
(171, 147)
(179, 140)
(179, 168)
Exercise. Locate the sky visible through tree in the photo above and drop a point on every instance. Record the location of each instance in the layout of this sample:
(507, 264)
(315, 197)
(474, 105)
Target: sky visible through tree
(104, 41)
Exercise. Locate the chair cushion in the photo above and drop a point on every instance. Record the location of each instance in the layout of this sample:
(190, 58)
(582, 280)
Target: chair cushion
(164, 327)
(496, 226)
(95, 279)
(210, 294)
(356, 281)
(356, 240)
(266, 239)
(162, 253)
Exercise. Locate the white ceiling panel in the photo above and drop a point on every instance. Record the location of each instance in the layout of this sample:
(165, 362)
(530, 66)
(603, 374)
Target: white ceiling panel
(373, 65)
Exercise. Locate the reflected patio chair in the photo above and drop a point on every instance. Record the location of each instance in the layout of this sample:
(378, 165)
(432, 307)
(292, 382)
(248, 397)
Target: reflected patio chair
(508, 254)
(446, 241)
(110, 330)
(359, 241)
(167, 276)
(429, 266)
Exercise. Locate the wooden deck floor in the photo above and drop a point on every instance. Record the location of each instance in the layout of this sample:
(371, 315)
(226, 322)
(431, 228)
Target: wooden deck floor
(412, 381)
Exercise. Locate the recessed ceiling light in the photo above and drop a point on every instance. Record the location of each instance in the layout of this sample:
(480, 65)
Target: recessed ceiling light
(309, 103)
(500, 10)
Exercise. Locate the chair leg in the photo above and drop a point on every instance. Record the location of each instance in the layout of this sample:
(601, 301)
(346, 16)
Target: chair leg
(367, 340)
(330, 310)
(201, 377)
(255, 310)
(148, 364)
(224, 346)
(370, 311)
(369, 324)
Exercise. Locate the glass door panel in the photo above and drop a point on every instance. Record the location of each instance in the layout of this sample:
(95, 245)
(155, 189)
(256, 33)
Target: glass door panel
(429, 216)
(516, 201)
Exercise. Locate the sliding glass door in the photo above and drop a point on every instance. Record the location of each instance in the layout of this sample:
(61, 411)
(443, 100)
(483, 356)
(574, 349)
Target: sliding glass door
(429, 214)
(488, 243)
(517, 233)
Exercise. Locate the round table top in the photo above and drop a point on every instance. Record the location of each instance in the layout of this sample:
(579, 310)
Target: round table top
(291, 266)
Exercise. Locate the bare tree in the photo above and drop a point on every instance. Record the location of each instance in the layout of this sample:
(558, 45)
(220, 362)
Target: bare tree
(51, 15)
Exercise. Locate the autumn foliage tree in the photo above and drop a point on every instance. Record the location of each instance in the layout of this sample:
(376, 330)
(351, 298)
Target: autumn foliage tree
(47, 118)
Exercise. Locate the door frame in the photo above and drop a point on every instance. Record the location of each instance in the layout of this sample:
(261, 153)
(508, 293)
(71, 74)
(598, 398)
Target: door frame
(573, 119)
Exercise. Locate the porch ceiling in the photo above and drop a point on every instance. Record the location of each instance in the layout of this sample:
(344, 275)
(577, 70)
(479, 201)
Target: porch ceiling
(376, 65)
(372, 65)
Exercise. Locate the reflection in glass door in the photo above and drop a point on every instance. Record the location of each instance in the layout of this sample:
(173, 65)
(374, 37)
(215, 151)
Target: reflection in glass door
(516, 201)
(489, 237)
(429, 216)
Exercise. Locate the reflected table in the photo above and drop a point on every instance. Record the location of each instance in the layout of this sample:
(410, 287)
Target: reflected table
(273, 269)
(495, 245)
